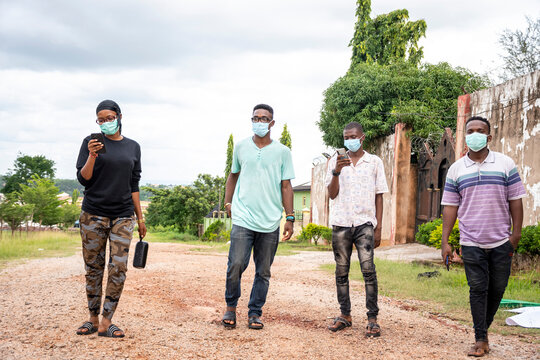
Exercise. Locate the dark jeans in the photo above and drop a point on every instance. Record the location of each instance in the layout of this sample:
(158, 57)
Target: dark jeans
(264, 247)
(487, 273)
(343, 239)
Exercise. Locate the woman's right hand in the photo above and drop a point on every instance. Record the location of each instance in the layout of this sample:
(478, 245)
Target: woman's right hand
(94, 146)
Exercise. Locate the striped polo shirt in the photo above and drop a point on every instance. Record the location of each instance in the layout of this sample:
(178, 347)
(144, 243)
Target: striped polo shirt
(482, 192)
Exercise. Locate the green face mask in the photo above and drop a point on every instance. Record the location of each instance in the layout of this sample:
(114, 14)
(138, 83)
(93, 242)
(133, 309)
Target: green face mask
(109, 128)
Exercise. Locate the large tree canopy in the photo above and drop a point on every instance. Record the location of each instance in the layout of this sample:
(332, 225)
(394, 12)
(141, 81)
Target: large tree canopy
(378, 96)
(386, 39)
(24, 168)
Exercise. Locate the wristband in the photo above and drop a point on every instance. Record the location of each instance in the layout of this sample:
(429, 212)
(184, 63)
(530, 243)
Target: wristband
(290, 218)
(94, 155)
(228, 204)
(140, 221)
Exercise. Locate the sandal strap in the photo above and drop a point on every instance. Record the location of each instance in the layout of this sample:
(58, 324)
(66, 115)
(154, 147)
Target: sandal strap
(255, 320)
(373, 326)
(112, 329)
(342, 320)
(87, 325)
(229, 315)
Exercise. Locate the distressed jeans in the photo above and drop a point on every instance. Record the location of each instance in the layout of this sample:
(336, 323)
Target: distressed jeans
(343, 239)
(487, 272)
(264, 247)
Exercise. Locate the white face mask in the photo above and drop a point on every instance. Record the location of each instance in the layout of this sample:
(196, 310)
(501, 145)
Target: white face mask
(260, 128)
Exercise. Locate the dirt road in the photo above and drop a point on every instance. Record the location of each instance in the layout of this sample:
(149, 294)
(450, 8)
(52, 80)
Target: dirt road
(171, 310)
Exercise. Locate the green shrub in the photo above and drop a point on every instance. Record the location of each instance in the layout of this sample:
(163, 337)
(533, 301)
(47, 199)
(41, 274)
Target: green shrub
(425, 230)
(216, 232)
(315, 232)
(436, 236)
(530, 240)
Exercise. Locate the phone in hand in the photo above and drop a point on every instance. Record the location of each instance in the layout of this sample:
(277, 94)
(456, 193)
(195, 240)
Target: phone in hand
(100, 138)
(342, 153)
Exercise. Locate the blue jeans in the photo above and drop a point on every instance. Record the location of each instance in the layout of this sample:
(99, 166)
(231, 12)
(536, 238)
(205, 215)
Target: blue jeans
(487, 272)
(343, 239)
(264, 247)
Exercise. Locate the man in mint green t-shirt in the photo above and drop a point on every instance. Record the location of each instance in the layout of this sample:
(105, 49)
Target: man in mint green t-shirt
(257, 190)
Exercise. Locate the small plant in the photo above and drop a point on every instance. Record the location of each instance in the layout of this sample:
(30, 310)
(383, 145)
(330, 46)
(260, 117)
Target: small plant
(216, 232)
(425, 230)
(436, 237)
(530, 240)
(315, 232)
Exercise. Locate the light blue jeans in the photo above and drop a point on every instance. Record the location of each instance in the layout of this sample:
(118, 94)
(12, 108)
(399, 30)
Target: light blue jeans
(264, 247)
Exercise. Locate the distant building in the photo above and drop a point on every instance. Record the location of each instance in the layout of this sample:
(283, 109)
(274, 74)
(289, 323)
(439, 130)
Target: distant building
(302, 199)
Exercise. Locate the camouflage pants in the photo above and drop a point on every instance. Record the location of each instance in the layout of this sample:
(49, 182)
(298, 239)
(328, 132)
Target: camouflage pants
(95, 230)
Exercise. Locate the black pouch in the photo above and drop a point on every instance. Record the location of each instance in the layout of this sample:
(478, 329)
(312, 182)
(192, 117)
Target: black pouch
(141, 252)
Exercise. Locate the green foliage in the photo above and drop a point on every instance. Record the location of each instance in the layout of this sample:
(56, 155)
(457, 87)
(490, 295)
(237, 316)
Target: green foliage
(24, 167)
(184, 206)
(69, 214)
(13, 212)
(68, 185)
(43, 195)
(216, 232)
(435, 237)
(75, 196)
(285, 138)
(315, 232)
(228, 162)
(530, 240)
(379, 96)
(425, 230)
(386, 39)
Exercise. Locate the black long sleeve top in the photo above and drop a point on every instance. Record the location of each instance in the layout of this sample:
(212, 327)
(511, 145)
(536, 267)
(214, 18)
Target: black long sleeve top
(116, 175)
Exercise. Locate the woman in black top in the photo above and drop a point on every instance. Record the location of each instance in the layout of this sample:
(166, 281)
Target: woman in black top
(111, 197)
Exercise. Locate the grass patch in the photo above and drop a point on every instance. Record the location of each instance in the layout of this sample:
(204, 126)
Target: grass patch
(447, 294)
(37, 244)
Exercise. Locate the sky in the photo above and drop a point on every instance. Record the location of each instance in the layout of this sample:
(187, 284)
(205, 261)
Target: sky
(187, 73)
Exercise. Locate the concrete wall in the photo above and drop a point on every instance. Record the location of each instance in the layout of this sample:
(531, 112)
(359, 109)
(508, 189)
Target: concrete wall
(513, 109)
(384, 148)
(319, 194)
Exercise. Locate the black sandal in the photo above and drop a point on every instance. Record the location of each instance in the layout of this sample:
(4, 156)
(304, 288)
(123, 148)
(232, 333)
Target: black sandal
(255, 323)
(229, 316)
(343, 323)
(90, 329)
(111, 332)
(373, 327)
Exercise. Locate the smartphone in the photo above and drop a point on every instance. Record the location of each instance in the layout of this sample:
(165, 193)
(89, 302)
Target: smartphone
(342, 153)
(100, 138)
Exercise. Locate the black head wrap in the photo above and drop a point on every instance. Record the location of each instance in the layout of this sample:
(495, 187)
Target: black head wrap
(111, 105)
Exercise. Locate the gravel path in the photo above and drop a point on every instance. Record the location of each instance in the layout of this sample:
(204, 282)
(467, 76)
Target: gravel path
(172, 310)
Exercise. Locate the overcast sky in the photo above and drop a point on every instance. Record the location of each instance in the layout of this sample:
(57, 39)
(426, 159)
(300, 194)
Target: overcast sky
(187, 73)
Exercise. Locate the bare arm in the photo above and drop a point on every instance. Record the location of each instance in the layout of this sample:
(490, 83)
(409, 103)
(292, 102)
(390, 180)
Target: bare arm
(230, 185)
(378, 216)
(88, 169)
(449, 219)
(138, 212)
(516, 211)
(287, 196)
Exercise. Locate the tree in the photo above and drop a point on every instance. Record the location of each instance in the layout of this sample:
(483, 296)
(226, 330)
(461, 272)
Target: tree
(184, 206)
(386, 39)
(521, 50)
(285, 138)
(75, 196)
(379, 96)
(24, 167)
(43, 195)
(228, 162)
(69, 214)
(68, 185)
(13, 212)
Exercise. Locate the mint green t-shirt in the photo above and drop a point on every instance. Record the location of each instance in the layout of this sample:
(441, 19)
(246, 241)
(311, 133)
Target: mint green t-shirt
(257, 203)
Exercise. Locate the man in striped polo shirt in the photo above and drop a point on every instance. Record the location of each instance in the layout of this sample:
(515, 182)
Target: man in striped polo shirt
(483, 189)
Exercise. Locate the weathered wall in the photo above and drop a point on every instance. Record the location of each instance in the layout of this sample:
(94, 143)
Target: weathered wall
(384, 148)
(513, 109)
(319, 195)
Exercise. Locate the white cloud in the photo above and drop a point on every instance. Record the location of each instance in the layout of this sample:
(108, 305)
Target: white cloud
(187, 73)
